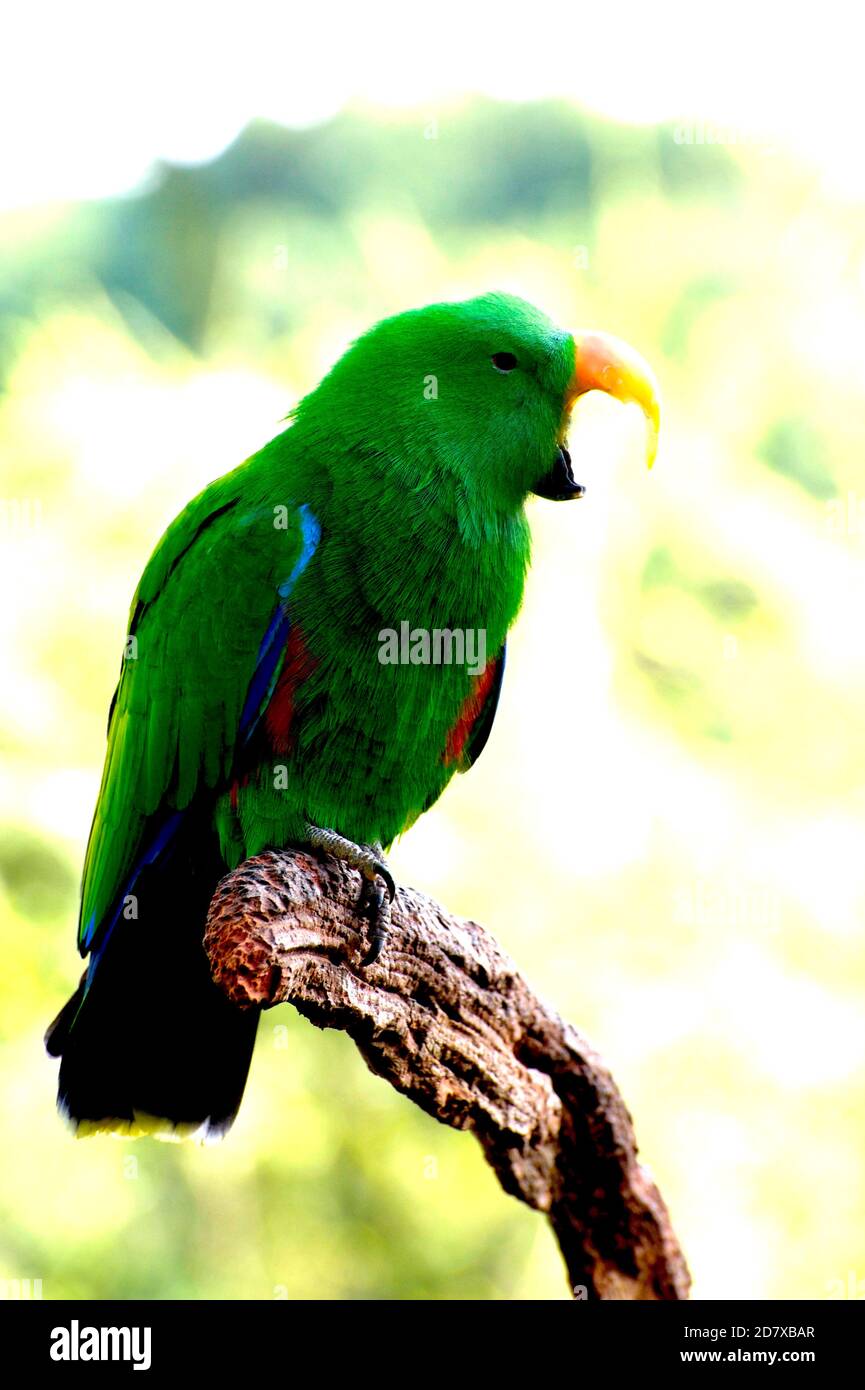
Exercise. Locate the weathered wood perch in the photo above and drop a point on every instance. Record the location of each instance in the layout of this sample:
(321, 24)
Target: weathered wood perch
(446, 1019)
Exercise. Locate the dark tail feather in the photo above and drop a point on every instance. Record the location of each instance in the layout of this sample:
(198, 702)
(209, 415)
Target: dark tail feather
(57, 1032)
(152, 1045)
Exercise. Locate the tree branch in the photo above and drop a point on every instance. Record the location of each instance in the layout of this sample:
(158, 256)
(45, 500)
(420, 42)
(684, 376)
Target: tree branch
(446, 1019)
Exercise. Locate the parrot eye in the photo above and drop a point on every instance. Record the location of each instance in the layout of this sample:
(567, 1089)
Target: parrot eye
(503, 361)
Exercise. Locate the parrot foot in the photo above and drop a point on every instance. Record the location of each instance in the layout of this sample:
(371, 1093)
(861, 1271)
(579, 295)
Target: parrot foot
(374, 900)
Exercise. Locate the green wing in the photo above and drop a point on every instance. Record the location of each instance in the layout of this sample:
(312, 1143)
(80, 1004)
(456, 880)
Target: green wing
(198, 619)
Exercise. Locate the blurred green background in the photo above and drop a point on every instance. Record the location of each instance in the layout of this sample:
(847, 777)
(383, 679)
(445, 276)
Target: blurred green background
(666, 830)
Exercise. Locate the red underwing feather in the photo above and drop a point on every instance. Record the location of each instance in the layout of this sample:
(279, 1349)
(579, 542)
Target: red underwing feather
(279, 714)
(470, 712)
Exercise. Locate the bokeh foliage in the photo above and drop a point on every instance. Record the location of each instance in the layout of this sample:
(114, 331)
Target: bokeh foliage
(666, 829)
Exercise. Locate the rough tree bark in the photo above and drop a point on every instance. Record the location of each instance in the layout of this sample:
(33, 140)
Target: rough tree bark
(445, 1017)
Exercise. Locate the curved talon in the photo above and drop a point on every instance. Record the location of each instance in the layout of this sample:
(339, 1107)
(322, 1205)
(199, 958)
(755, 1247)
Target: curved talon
(379, 937)
(378, 913)
(384, 872)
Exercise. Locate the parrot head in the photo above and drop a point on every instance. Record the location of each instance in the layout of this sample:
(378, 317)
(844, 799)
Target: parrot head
(482, 389)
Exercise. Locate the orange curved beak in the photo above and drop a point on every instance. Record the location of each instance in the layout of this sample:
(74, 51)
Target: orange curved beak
(605, 363)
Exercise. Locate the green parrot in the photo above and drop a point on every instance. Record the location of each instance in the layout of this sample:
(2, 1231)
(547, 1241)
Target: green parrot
(262, 701)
